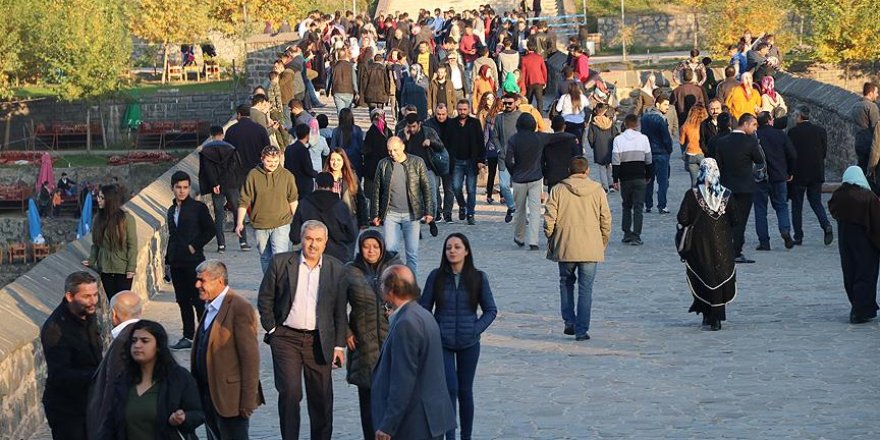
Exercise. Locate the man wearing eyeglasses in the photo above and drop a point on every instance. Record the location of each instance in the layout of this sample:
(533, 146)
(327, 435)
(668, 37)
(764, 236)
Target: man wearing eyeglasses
(504, 128)
(270, 192)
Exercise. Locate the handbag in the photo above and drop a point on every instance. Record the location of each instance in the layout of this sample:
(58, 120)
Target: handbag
(759, 172)
(440, 161)
(684, 236)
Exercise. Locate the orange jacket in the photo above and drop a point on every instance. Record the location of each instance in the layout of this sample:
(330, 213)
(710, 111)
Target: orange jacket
(740, 104)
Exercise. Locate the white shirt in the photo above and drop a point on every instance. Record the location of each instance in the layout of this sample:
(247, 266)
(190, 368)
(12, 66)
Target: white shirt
(213, 307)
(118, 329)
(303, 311)
(455, 75)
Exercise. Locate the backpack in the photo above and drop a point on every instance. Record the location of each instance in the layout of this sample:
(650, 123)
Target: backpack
(440, 161)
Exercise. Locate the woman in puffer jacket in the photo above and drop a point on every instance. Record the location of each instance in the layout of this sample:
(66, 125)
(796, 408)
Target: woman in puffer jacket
(453, 292)
(367, 321)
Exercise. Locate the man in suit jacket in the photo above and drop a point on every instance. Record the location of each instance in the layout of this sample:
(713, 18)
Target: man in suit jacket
(811, 144)
(249, 138)
(736, 154)
(190, 228)
(298, 161)
(125, 309)
(225, 358)
(409, 396)
(302, 303)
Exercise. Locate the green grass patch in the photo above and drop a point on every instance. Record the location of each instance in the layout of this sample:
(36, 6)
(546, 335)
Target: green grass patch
(612, 7)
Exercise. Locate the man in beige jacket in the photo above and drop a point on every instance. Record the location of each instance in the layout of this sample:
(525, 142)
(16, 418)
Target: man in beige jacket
(577, 223)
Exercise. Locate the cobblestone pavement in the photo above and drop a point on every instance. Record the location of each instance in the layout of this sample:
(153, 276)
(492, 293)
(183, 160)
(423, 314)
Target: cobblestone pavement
(786, 365)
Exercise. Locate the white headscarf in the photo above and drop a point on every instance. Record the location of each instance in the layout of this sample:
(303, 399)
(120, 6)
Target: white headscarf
(711, 194)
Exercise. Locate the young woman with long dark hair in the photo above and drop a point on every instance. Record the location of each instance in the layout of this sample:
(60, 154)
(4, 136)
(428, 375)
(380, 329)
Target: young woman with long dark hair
(453, 292)
(114, 242)
(348, 136)
(156, 399)
(346, 184)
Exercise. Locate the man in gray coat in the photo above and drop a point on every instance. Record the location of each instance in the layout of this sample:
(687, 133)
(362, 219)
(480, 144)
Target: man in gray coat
(409, 395)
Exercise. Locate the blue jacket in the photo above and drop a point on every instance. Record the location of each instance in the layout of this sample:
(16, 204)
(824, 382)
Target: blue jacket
(459, 325)
(655, 127)
(409, 398)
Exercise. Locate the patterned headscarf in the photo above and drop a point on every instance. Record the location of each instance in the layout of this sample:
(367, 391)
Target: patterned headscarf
(768, 86)
(709, 189)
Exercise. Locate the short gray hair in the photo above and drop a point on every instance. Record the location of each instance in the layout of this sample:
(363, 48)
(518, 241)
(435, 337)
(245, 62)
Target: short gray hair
(215, 267)
(127, 309)
(313, 224)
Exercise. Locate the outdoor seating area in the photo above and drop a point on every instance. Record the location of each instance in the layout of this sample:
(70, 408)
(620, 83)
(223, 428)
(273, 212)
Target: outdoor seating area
(15, 197)
(167, 134)
(22, 253)
(60, 135)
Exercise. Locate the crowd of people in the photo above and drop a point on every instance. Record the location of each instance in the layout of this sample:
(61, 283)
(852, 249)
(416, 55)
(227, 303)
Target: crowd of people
(352, 203)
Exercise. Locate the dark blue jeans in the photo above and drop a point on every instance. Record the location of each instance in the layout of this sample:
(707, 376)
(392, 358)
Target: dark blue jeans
(814, 196)
(461, 367)
(465, 169)
(661, 175)
(778, 195)
(584, 274)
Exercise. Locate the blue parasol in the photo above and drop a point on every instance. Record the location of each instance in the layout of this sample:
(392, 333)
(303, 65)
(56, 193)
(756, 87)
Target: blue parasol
(85, 220)
(34, 225)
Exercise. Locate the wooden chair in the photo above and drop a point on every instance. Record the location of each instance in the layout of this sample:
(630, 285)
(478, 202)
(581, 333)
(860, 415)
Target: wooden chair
(41, 251)
(175, 71)
(17, 251)
(212, 71)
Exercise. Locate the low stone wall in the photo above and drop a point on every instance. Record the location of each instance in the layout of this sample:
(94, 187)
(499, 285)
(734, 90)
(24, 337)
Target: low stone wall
(214, 108)
(832, 109)
(26, 303)
(262, 51)
(653, 30)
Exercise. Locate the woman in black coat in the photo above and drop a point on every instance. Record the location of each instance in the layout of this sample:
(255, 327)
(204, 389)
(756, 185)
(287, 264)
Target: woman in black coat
(857, 211)
(156, 399)
(710, 270)
(367, 321)
(600, 134)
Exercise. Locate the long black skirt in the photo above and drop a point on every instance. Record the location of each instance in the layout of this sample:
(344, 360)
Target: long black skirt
(860, 262)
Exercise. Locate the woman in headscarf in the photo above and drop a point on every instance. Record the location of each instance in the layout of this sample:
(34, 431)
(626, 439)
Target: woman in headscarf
(483, 84)
(645, 97)
(710, 270)
(770, 99)
(368, 319)
(857, 211)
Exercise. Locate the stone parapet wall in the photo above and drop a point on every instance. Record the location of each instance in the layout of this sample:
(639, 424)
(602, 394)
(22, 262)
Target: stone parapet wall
(653, 30)
(262, 51)
(831, 109)
(27, 302)
(214, 108)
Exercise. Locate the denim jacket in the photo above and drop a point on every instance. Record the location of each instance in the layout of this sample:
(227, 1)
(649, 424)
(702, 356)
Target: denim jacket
(655, 127)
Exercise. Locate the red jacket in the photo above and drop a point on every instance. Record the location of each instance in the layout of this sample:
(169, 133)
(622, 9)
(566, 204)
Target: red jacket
(468, 47)
(533, 69)
(581, 65)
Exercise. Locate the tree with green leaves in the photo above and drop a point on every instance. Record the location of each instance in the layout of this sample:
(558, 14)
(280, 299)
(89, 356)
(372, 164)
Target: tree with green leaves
(726, 21)
(169, 22)
(80, 48)
(843, 31)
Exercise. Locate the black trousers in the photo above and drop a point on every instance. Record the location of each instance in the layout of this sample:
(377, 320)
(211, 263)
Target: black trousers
(115, 283)
(219, 201)
(65, 427)
(183, 278)
(492, 164)
(448, 195)
(219, 427)
(364, 396)
(297, 355)
(739, 219)
(535, 91)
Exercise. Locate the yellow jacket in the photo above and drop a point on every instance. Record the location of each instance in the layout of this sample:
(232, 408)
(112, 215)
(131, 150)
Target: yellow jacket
(740, 104)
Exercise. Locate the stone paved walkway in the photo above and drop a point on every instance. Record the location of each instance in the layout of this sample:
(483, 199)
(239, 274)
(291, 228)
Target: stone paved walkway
(786, 365)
